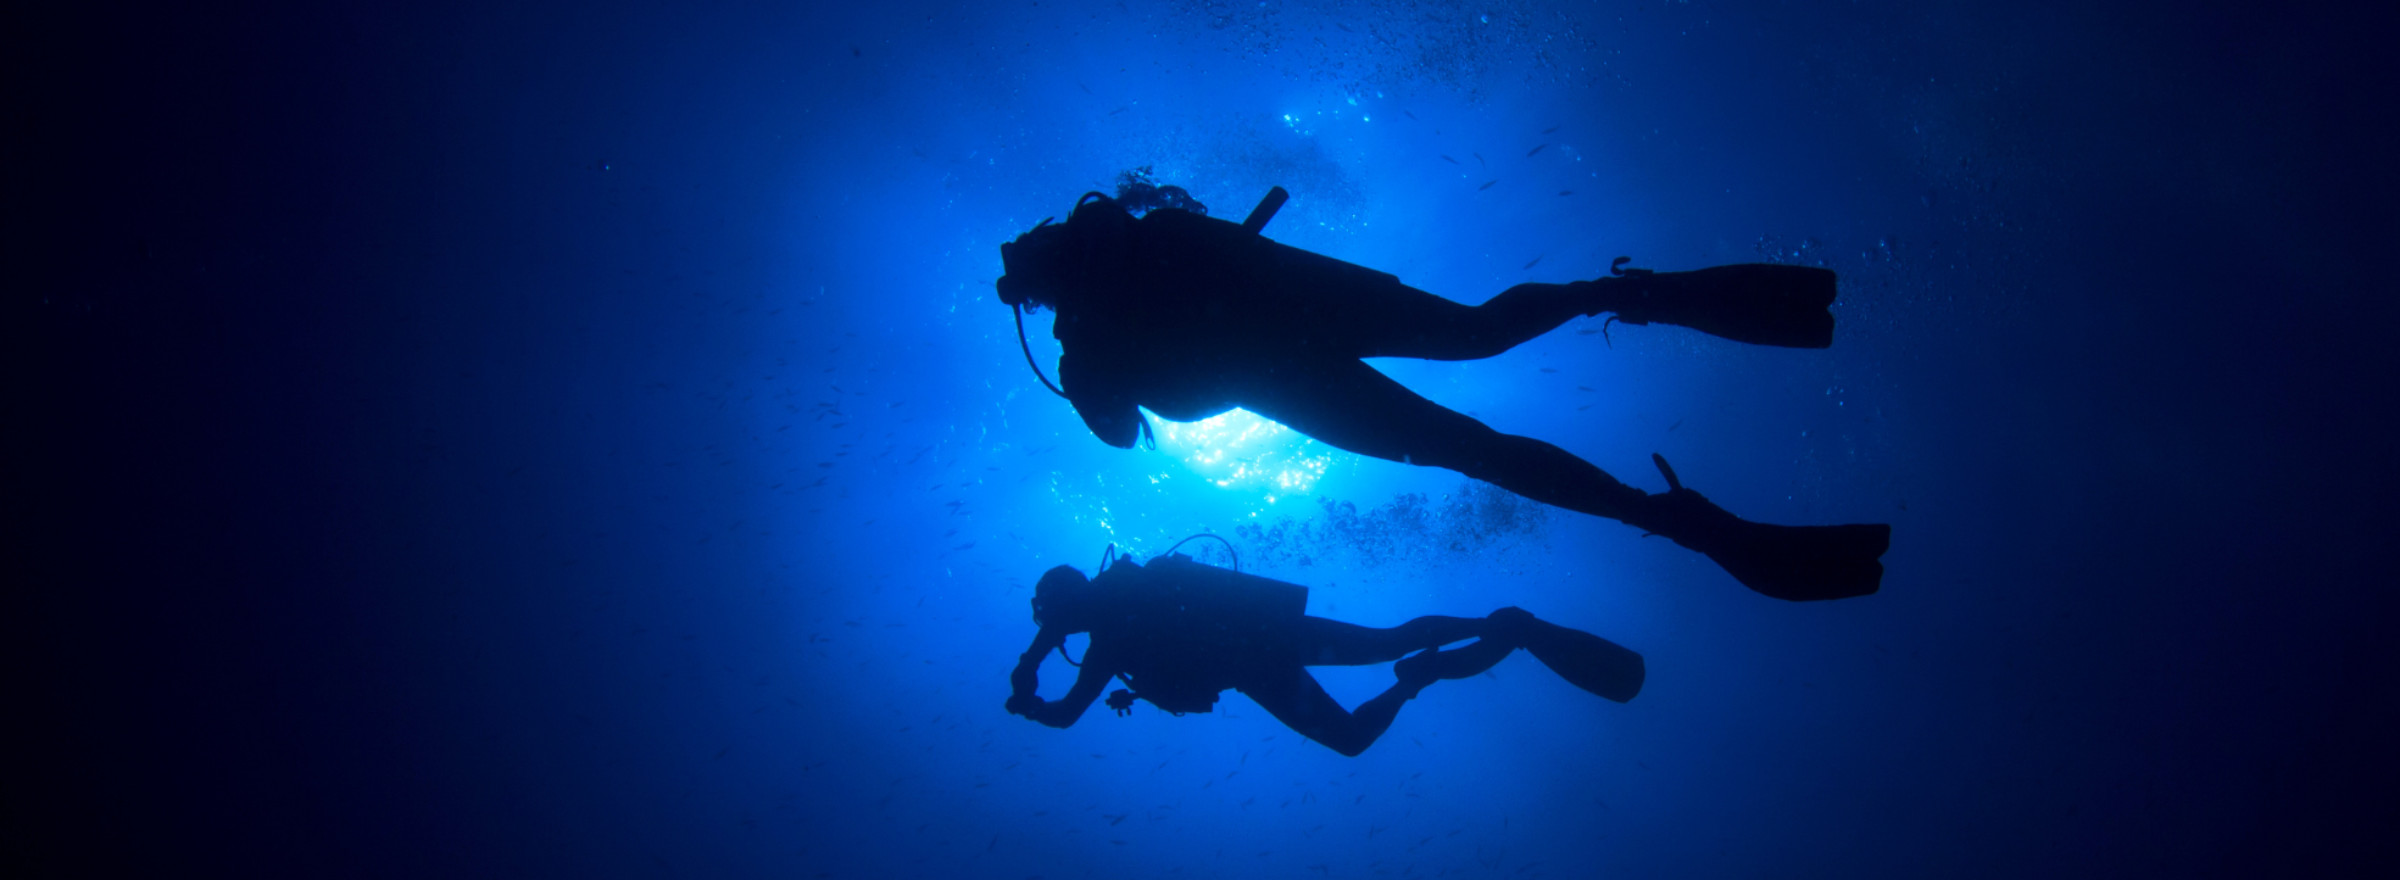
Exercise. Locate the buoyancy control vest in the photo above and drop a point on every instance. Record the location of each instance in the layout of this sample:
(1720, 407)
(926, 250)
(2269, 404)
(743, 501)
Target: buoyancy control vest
(1185, 631)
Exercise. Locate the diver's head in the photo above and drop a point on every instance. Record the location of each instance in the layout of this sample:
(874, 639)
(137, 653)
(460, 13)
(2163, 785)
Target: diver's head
(1053, 264)
(1063, 597)
(1038, 264)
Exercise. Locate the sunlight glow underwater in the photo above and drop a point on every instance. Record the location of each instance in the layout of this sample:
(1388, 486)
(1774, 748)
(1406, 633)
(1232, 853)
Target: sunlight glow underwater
(1240, 450)
(1207, 475)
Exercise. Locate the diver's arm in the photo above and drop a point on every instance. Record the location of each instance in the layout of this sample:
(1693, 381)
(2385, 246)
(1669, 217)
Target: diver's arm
(1100, 399)
(1027, 676)
(1098, 668)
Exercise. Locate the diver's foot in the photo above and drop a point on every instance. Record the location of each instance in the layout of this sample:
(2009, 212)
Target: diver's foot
(1511, 626)
(1419, 670)
(1793, 563)
(1599, 295)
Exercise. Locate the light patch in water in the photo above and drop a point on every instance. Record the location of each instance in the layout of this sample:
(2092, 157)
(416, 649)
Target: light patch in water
(1240, 450)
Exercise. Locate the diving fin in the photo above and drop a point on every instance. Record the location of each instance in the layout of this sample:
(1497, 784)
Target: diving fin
(1757, 303)
(1792, 563)
(1806, 563)
(1586, 661)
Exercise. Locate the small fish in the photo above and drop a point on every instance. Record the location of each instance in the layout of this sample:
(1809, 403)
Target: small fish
(1530, 152)
(1566, 192)
(1408, 114)
(1530, 265)
(1486, 185)
(1549, 369)
(1551, 130)
(1449, 160)
(1478, 157)
(1678, 424)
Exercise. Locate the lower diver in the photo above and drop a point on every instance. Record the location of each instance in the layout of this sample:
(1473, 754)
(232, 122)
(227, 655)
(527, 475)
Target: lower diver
(1179, 632)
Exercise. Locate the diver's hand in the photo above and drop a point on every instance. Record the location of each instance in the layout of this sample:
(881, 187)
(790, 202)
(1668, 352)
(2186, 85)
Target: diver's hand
(1023, 704)
(1122, 701)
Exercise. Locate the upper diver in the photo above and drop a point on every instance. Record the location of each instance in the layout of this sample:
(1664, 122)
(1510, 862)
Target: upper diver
(1192, 316)
(1178, 633)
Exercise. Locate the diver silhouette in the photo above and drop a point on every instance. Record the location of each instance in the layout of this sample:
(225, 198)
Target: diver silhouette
(1192, 316)
(1180, 632)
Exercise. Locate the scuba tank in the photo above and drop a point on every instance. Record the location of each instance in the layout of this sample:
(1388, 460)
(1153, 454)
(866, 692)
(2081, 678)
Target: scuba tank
(1063, 262)
(1220, 258)
(1226, 601)
(1051, 262)
(1193, 623)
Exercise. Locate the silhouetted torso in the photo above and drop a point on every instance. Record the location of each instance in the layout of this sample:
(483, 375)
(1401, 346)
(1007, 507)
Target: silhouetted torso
(1195, 309)
(1185, 631)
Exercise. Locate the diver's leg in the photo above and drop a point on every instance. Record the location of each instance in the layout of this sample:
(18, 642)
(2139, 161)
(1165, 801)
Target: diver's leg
(1759, 303)
(1411, 323)
(1334, 643)
(1477, 658)
(1295, 698)
(1348, 405)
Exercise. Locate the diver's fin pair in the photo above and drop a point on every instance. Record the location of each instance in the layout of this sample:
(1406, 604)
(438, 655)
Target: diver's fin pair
(1586, 661)
(1757, 303)
(1793, 563)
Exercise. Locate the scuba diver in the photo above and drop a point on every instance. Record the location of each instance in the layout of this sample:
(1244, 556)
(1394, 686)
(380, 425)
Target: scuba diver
(1192, 316)
(1178, 632)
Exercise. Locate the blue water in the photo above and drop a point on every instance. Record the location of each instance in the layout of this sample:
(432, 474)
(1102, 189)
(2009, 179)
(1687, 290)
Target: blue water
(584, 441)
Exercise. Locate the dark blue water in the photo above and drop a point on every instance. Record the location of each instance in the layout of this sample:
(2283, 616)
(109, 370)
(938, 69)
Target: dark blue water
(583, 441)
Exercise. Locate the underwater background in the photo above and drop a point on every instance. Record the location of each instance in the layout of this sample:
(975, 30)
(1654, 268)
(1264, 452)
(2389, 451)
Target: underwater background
(582, 440)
